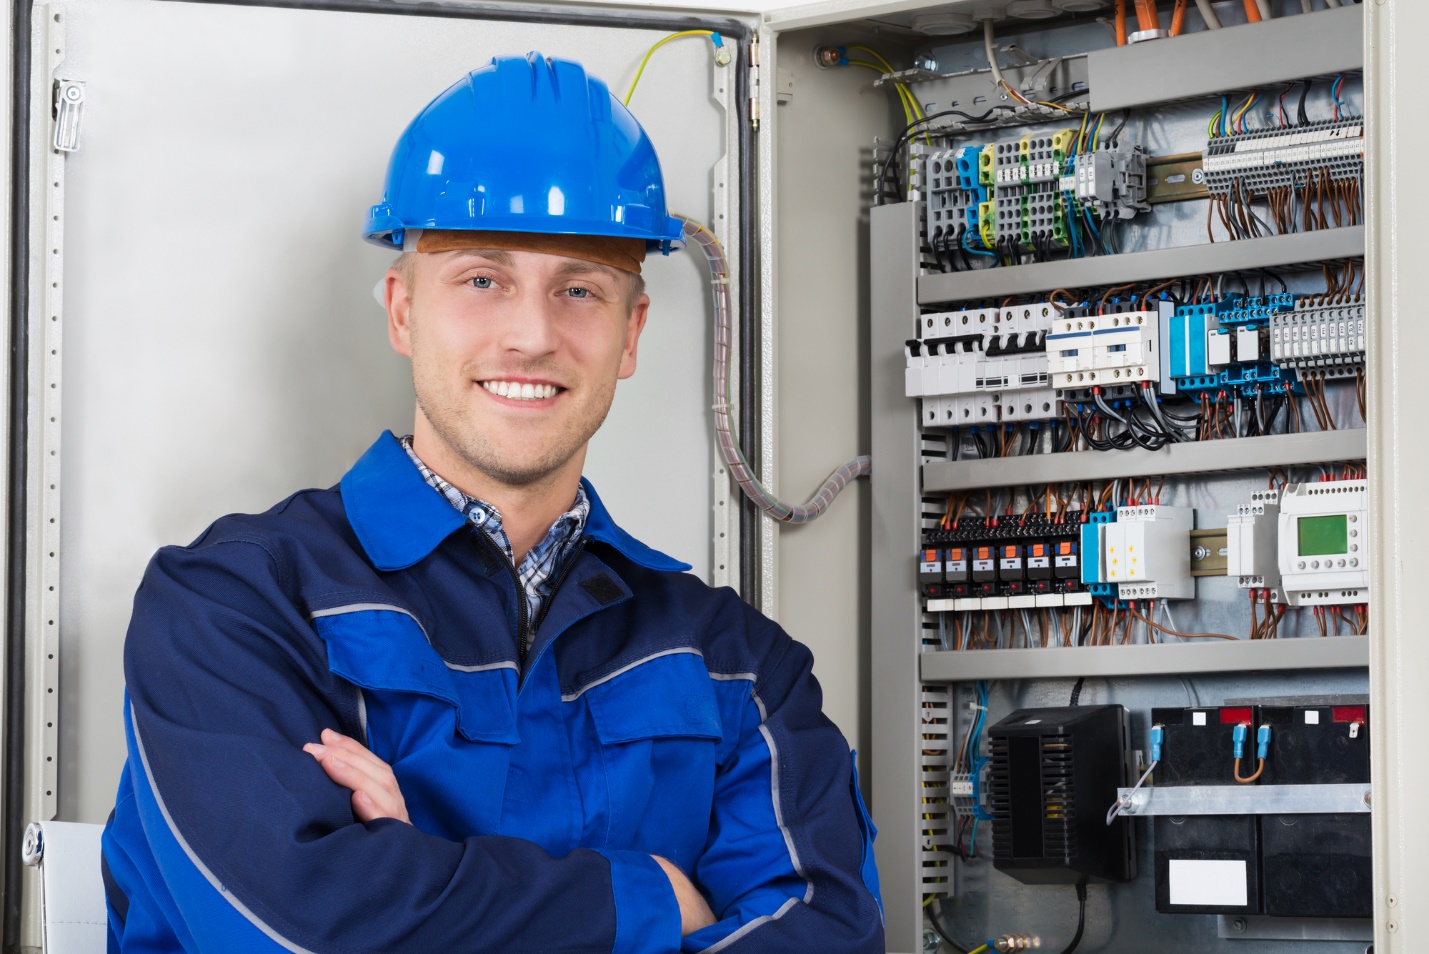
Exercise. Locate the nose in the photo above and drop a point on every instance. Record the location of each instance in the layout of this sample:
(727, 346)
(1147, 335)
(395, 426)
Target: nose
(529, 329)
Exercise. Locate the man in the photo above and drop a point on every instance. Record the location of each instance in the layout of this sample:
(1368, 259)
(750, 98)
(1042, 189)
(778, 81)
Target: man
(449, 705)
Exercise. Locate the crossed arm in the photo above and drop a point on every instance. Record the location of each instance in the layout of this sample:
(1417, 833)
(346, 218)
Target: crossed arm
(376, 794)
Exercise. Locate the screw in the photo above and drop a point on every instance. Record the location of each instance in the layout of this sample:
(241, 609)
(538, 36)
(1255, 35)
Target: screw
(1198, 176)
(1239, 925)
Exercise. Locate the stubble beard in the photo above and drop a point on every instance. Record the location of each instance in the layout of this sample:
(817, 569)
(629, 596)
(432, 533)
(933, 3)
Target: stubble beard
(521, 465)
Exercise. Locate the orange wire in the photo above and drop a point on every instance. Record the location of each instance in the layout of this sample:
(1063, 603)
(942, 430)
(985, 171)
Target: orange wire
(1121, 22)
(1178, 17)
(1146, 16)
(1252, 12)
(1259, 769)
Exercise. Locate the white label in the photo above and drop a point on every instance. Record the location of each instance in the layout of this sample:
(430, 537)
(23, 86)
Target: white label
(1066, 561)
(1032, 721)
(1198, 718)
(1220, 884)
(1312, 717)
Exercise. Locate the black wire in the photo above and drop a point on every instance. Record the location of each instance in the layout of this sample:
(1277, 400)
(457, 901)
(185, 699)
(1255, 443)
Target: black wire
(882, 190)
(1081, 920)
(1267, 272)
(1125, 115)
(1303, 116)
(1077, 691)
(1081, 904)
(933, 920)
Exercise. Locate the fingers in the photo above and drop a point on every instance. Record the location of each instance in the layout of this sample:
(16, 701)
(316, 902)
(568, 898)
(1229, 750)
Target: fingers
(375, 791)
(695, 911)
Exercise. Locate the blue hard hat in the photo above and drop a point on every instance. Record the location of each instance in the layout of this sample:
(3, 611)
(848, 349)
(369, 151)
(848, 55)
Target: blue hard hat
(526, 145)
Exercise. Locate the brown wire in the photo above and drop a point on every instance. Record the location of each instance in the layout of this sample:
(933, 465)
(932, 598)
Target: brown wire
(1171, 632)
(1251, 778)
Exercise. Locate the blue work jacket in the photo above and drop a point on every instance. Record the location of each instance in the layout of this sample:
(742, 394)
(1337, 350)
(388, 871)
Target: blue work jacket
(652, 715)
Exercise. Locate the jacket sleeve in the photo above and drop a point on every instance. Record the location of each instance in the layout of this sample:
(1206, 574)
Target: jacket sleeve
(261, 852)
(789, 858)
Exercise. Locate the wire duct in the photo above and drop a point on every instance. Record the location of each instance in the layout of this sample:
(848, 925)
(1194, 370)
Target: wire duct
(729, 450)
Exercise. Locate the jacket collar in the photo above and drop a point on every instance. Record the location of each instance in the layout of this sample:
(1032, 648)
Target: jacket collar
(400, 519)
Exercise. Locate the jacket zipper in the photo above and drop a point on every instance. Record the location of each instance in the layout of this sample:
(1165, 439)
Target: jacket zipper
(522, 609)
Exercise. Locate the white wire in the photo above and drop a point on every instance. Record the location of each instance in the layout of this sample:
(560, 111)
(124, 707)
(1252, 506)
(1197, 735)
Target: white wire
(1121, 803)
(1208, 14)
(992, 58)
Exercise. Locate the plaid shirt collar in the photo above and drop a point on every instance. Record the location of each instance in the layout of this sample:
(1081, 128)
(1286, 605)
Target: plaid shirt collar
(539, 565)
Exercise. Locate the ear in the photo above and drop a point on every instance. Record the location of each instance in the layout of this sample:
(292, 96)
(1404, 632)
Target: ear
(399, 313)
(633, 327)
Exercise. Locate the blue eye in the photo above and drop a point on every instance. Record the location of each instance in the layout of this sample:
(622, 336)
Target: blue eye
(481, 281)
(578, 292)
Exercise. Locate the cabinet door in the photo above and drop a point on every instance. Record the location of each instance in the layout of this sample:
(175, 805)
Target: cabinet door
(201, 301)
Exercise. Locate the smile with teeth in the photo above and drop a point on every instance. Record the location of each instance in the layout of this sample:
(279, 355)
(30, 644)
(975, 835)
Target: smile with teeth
(519, 391)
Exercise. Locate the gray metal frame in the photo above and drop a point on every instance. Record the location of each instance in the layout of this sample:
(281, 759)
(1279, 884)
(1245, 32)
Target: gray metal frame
(1173, 659)
(1270, 252)
(1201, 457)
(1202, 64)
(894, 242)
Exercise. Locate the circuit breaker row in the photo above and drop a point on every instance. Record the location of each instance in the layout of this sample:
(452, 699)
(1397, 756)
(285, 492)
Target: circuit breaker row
(985, 366)
(1306, 545)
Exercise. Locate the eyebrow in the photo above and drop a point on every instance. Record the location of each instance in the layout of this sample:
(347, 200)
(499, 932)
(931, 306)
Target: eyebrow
(499, 256)
(579, 267)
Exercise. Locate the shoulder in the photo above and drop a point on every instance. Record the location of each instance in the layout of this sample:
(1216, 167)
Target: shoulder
(733, 636)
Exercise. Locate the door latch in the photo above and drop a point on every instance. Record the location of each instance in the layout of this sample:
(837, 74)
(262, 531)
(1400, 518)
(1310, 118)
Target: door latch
(69, 109)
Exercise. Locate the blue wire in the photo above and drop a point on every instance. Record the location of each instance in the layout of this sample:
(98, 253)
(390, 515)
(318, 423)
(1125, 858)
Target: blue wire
(976, 251)
(1225, 108)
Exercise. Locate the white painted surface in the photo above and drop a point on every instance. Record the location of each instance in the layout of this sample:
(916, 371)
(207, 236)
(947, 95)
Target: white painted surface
(223, 349)
(822, 140)
(1219, 883)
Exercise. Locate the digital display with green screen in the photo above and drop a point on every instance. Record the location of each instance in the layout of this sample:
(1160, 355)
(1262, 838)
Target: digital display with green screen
(1321, 535)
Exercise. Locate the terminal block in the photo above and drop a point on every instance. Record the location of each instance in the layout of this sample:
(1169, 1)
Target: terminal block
(1324, 543)
(1324, 338)
(1147, 554)
(952, 197)
(1252, 544)
(1265, 159)
(1111, 181)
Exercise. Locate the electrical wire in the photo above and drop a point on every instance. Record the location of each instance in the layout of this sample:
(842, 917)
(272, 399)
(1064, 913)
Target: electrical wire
(726, 439)
(897, 147)
(715, 38)
(992, 62)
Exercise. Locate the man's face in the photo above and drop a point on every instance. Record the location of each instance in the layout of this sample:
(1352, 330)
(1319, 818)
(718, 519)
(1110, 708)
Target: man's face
(514, 354)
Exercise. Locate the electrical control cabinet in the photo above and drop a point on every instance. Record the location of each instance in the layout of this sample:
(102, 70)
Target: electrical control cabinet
(1204, 336)
(835, 327)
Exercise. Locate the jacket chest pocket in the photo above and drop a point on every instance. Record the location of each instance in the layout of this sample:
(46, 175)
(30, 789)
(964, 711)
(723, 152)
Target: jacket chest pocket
(447, 733)
(658, 725)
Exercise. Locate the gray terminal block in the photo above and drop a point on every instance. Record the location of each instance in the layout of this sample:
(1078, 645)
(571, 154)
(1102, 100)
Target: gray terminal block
(1266, 159)
(944, 200)
(1320, 337)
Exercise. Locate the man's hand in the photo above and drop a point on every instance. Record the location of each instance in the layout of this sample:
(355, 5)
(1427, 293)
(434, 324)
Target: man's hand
(347, 762)
(695, 913)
